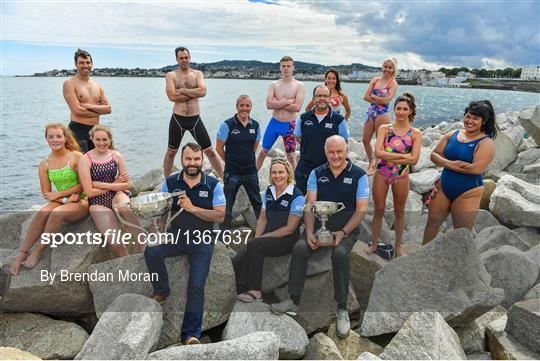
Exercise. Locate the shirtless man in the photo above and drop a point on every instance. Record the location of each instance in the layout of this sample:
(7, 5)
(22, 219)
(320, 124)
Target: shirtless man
(86, 100)
(285, 98)
(184, 87)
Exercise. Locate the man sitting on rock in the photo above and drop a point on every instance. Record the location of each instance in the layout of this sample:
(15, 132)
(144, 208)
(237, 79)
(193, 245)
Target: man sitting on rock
(203, 204)
(338, 180)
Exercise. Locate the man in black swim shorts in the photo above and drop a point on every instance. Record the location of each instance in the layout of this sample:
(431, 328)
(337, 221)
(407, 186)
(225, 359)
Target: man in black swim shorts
(184, 87)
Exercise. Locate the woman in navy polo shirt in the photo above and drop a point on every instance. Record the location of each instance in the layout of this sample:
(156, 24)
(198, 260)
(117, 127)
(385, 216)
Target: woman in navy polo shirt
(277, 230)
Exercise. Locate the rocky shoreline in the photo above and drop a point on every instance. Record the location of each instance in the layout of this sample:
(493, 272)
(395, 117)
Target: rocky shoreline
(466, 295)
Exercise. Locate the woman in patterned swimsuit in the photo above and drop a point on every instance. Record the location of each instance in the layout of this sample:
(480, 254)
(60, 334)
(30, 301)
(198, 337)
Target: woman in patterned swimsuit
(66, 204)
(379, 94)
(105, 180)
(398, 146)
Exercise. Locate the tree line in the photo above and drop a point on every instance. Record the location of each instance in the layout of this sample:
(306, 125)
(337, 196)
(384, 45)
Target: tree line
(484, 73)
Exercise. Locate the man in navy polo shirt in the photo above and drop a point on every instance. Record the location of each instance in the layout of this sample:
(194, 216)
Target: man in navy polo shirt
(203, 204)
(237, 140)
(338, 180)
(312, 129)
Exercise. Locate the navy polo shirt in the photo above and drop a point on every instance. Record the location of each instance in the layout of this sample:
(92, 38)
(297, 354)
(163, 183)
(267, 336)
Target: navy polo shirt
(207, 194)
(279, 206)
(351, 184)
(239, 142)
(314, 132)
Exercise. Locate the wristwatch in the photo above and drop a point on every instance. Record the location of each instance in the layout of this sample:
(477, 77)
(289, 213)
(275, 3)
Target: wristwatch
(344, 233)
(65, 200)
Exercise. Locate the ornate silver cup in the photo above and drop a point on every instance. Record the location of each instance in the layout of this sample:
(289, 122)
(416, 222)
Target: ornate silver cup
(150, 207)
(323, 210)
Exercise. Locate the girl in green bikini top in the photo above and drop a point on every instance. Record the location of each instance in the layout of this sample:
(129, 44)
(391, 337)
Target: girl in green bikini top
(64, 178)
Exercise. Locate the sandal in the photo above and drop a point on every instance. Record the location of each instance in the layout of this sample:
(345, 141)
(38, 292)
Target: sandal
(248, 297)
(192, 341)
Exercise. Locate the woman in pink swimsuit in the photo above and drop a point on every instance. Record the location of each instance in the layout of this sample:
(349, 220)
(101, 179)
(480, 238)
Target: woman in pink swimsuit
(339, 101)
(379, 94)
(398, 146)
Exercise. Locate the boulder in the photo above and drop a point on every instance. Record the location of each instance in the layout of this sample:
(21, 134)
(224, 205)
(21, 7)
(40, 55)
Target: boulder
(515, 133)
(424, 336)
(11, 228)
(516, 202)
(484, 219)
(30, 291)
(505, 155)
(317, 305)
(489, 187)
(357, 148)
(511, 270)
(424, 161)
(248, 318)
(321, 347)
(530, 121)
(529, 235)
(479, 356)
(446, 276)
(363, 268)
(220, 290)
(524, 324)
(533, 294)
(496, 236)
(353, 345)
(12, 353)
(147, 182)
(473, 335)
(526, 158)
(503, 346)
(41, 335)
(255, 346)
(276, 269)
(423, 182)
(128, 329)
(368, 356)
(527, 144)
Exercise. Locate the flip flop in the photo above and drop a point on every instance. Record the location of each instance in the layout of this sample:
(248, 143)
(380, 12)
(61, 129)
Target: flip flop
(252, 298)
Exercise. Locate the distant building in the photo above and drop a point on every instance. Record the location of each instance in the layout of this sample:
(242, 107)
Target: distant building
(530, 73)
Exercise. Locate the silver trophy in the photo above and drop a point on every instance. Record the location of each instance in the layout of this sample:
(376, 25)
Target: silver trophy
(323, 210)
(150, 207)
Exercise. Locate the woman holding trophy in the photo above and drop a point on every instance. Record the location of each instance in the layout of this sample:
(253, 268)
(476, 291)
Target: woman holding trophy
(105, 179)
(66, 204)
(276, 233)
(398, 146)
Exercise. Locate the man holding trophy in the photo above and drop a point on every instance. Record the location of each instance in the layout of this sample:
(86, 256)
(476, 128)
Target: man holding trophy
(337, 193)
(203, 203)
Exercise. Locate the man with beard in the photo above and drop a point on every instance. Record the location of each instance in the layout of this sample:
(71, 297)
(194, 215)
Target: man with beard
(203, 204)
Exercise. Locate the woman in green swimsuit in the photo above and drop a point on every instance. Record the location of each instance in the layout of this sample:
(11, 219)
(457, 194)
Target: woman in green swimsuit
(66, 204)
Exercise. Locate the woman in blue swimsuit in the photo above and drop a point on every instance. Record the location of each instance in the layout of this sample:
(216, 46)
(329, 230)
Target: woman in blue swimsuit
(464, 154)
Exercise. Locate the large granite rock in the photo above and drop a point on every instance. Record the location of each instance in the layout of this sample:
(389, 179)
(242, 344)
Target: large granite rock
(524, 159)
(516, 202)
(368, 356)
(128, 329)
(31, 291)
(503, 346)
(422, 182)
(321, 347)
(248, 318)
(424, 336)
(276, 269)
(41, 335)
(363, 268)
(220, 289)
(493, 237)
(255, 346)
(505, 155)
(353, 345)
(489, 188)
(524, 324)
(12, 353)
(533, 294)
(515, 133)
(530, 121)
(473, 335)
(317, 305)
(511, 270)
(484, 219)
(528, 235)
(11, 228)
(446, 276)
(148, 181)
(358, 148)
(424, 161)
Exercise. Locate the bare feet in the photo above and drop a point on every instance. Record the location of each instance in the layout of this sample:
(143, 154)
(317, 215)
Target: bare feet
(16, 265)
(32, 259)
(398, 251)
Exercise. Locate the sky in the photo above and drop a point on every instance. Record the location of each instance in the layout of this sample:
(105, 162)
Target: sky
(41, 35)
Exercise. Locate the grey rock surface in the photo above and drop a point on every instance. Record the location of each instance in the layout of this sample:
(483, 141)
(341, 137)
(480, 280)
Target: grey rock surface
(524, 324)
(422, 182)
(516, 202)
(351, 346)
(496, 236)
(473, 335)
(530, 121)
(321, 347)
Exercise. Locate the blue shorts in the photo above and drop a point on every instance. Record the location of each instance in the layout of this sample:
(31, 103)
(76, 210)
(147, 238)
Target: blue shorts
(274, 129)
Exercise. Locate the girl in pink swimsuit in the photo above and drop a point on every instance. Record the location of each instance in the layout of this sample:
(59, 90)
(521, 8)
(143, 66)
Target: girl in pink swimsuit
(398, 146)
(379, 94)
(339, 101)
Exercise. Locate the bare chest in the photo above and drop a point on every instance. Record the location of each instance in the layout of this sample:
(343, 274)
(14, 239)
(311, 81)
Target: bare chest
(188, 81)
(87, 92)
(285, 90)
